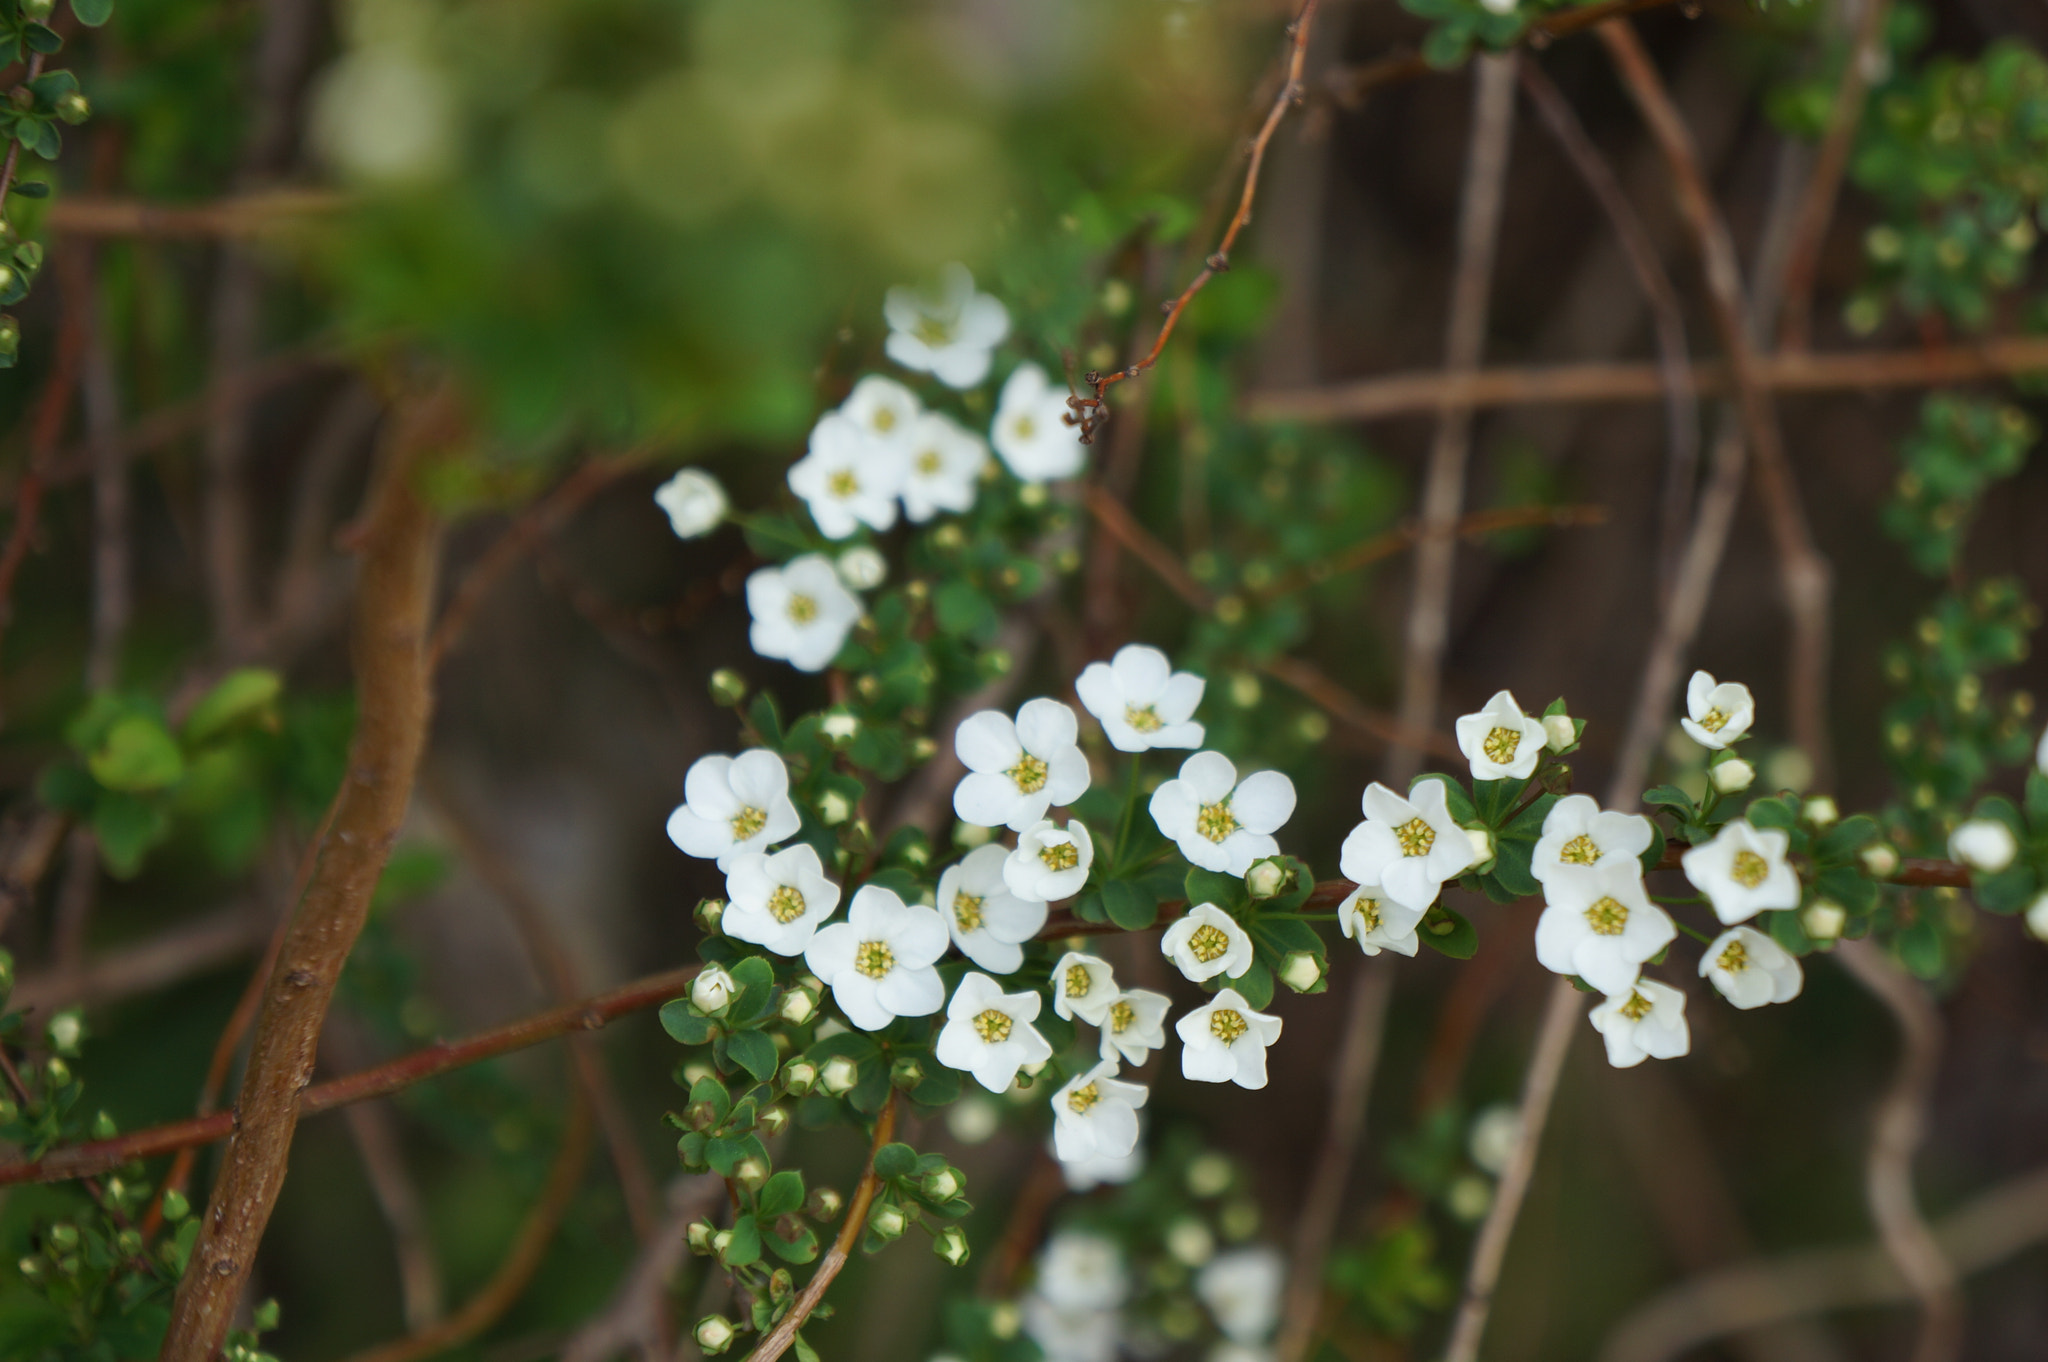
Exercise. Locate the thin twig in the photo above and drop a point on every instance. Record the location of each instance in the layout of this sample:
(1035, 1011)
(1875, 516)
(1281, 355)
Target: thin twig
(31, 844)
(255, 213)
(178, 953)
(636, 1322)
(1474, 525)
(1340, 704)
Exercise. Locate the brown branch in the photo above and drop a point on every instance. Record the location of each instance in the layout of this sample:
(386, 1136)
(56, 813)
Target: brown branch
(777, 1340)
(35, 68)
(31, 844)
(373, 1127)
(1044, 1184)
(1473, 525)
(1340, 704)
(636, 1322)
(256, 213)
(179, 953)
(401, 545)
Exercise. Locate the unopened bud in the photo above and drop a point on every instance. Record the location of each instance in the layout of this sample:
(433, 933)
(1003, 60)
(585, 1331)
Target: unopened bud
(922, 748)
(824, 1205)
(1265, 879)
(67, 1030)
(834, 808)
(714, 1334)
(701, 1233)
(799, 1076)
(103, 1127)
(951, 1245)
(64, 1236)
(176, 1207)
(1824, 919)
(1190, 1242)
(750, 1173)
(2037, 916)
(58, 1071)
(1559, 732)
(710, 915)
(1005, 1320)
(1556, 778)
(1482, 845)
(839, 1075)
(799, 1005)
(889, 1221)
(720, 1242)
(1820, 811)
(1732, 776)
(781, 1286)
(906, 1073)
(840, 726)
(711, 992)
(74, 107)
(1983, 844)
(941, 1184)
(1301, 971)
(772, 1120)
(1880, 860)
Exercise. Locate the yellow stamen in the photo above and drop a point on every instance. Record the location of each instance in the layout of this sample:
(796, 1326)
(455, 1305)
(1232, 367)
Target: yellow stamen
(1080, 1099)
(1500, 744)
(1607, 916)
(874, 959)
(992, 1026)
(967, 912)
(1416, 836)
(1579, 851)
(1215, 821)
(785, 904)
(1060, 856)
(748, 821)
(1144, 718)
(802, 609)
(1749, 869)
(1227, 1024)
(1029, 773)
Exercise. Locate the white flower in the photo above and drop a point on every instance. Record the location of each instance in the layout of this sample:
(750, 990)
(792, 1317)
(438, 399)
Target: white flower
(1242, 1290)
(1084, 987)
(878, 963)
(1601, 926)
(1141, 701)
(1207, 942)
(1732, 777)
(1743, 871)
(1031, 433)
(1226, 1041)
(945, 466)
(1071, 1335)
(1578, 835)
(1646, 1022)
(1559, 732)
(1017, 770)
(802, 612)
(948, 333)
(1219, 822)
(1983, 844)
(1051, 862)
(882, 407)
(778, 901)
(1408, 847)
(1082, 1271)
(1716, 715)
(863, 567)
(1378, 923)
(694, 501)
(733, 805)
(1750, 969)
(712, 989)
(1085, 1175)
(2037, 916)
(988, 923)
(849, 478)
(1500, 741)
(1096, 1114)
(1134, 1025)
(988, 1032)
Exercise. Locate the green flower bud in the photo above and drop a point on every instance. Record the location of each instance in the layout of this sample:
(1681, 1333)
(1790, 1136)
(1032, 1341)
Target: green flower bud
(64, 1235)
(781, 1286)
(728, 687)
(839, 1075)
(701, 1233)
(942, 1184)
(1302, 971)
(824, 1205)
(750, 1173)
(176, 1207)
(889, 1221)
(714, 1334)
(799, 1076)
(799, 1005)
(772, 1121)
(74, 107)
(1265, 879)
(710, 913)
(951, 1245)
(906, 1073)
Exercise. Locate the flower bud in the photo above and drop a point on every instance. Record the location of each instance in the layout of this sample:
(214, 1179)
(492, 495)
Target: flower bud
(38, 10)
(1983, 844)
(1559, 732)
(951, 1245)
(30, 1267)
(1190, 1242)
(840, 726)
(772, 1120)
(701, 1233)
(1265, 879)
(1209, 1175)
(176, 1207)
(711, 992)
(1482, 845)
(942, 1184)
(728, 687)
(103, 1127)
(128, 1242)
(700, 1116)
(922, 748)
(1301, 971)
(799, 1005)
(906, 1073)
(64, 1236)
(66, 1030)
(799, 1076)
(839, 1075)
(1556, 778)
(714, 1334)
(834, 808)
(74, 107)
(1880, 860)
(59, 1072)
(1005, 1320)
(710, 915)
(6, 972)
(1732, 776)
(750, 1173)
(1820, 811)
(1824, 919)
(720, 1242)
(2037, 916)
(862, 568)
(889, 1221)
(824, 1204)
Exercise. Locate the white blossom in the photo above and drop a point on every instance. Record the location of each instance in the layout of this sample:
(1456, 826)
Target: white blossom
(1225, 1042)
(1241, 1289)
(1408, 847)
(878, 963)
(849, 478)
(987, 922)
(1134, 1025)
(1983, 844)
(945, 464)
(1578, 835)
(1219, 822)
(694, 501)
(1646, 1022)
(1743, 871)
(1500, 741)
(1078, 1270)
(948, 333)
(1601, 926)
(1141, 702)
(1206, 942)
(1051, 862)
(1096, 1114)
(1377, 923)
(1717, 714)
(882, 407)
(802, 612)
(733, 805)
(778, 901)
(1031, 433)
(712, 990)
(863, 567)
(1069, 1334)
(1083, 986)
(1750, 969)
(988, 1032)
(1017, 769)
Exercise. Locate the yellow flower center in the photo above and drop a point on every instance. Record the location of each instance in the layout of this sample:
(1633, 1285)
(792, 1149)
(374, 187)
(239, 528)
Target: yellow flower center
(874, 959)
(1714, 720)
(1579, 851)
(933, 330)
(1500, 745)
(1215, 821)
(1029, 773)
(748, 821)
(967, 911)
(1208, 942)
(1607, 916)
(1368, 911)
(1080, 1099)
(1416, 836)
(1636, 1008)
(1735, 959)
(802, 609)
(842, 483)
(1024, 427)
(1060, 856)
(1121, 1016)
(1144, 718)
(785, 904)
(992, 1026)
(885, 419)
(1227, 1024)
(1078, 982)
(929, 462)
(1749, 869)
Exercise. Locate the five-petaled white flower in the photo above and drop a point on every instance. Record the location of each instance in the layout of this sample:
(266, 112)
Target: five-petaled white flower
(1031, 433)
(1018, 769)
(1500, 741)
(1378, 923)
(1083, 986)
(1743, 871)
(878, 963)
(1242, 1290)
(1225, 1042)
(1207, 942)
(802, 612)
(1051, 862)
(733, 805)
(1601, 926)
(1716, 715)
(849, 478)
(988, 1032)
(1750, 969)
(1219, 822)
(695, 502)
(988, 923)
(1096, 1114)
(945, 463)
(1408, 847)
(1579, 835)
(1134, 1025)
(778, 901)
(1983, 844)
(882, 407)
(1141, 701)
(1646, 1022)
(948, 333)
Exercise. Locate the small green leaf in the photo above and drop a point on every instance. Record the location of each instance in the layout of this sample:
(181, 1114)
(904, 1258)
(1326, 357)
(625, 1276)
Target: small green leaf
(1495, 799)
(93, 13)
(1669, 797)
(1256, 987)
(745, 1246)
(1130, 906)
(801, 1249)
(127, 826)
(136, 755)
(754, 1052)
(1445, 930)
(1208, 886)
(781, 1194)
(239, 695)
(1772, 812)
(684, 1026)
(726, 1152)
(1653, 854)
(896, 1160)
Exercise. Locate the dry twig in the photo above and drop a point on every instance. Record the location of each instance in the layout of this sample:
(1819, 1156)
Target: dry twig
(637, 1320)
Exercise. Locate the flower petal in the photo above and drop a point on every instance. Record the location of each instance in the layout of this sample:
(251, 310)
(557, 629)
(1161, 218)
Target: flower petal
(1142, 671)
(1264, 801)
(987, 741)
(1046, 727)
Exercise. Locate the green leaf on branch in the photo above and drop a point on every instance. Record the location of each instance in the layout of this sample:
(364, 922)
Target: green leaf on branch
(1130, 906)
(1446, 931)
(1208, 886)
(250, 693)
(781, 1194)
(127, 826)
(684, 1026)
(1495, 799)
(1668, 797)
(801, 1249)
(745, 1246)
(1653, 854)
(137, 755)
(754, 1052)
(93, 13)
(1256, 986)
(897, 1160)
